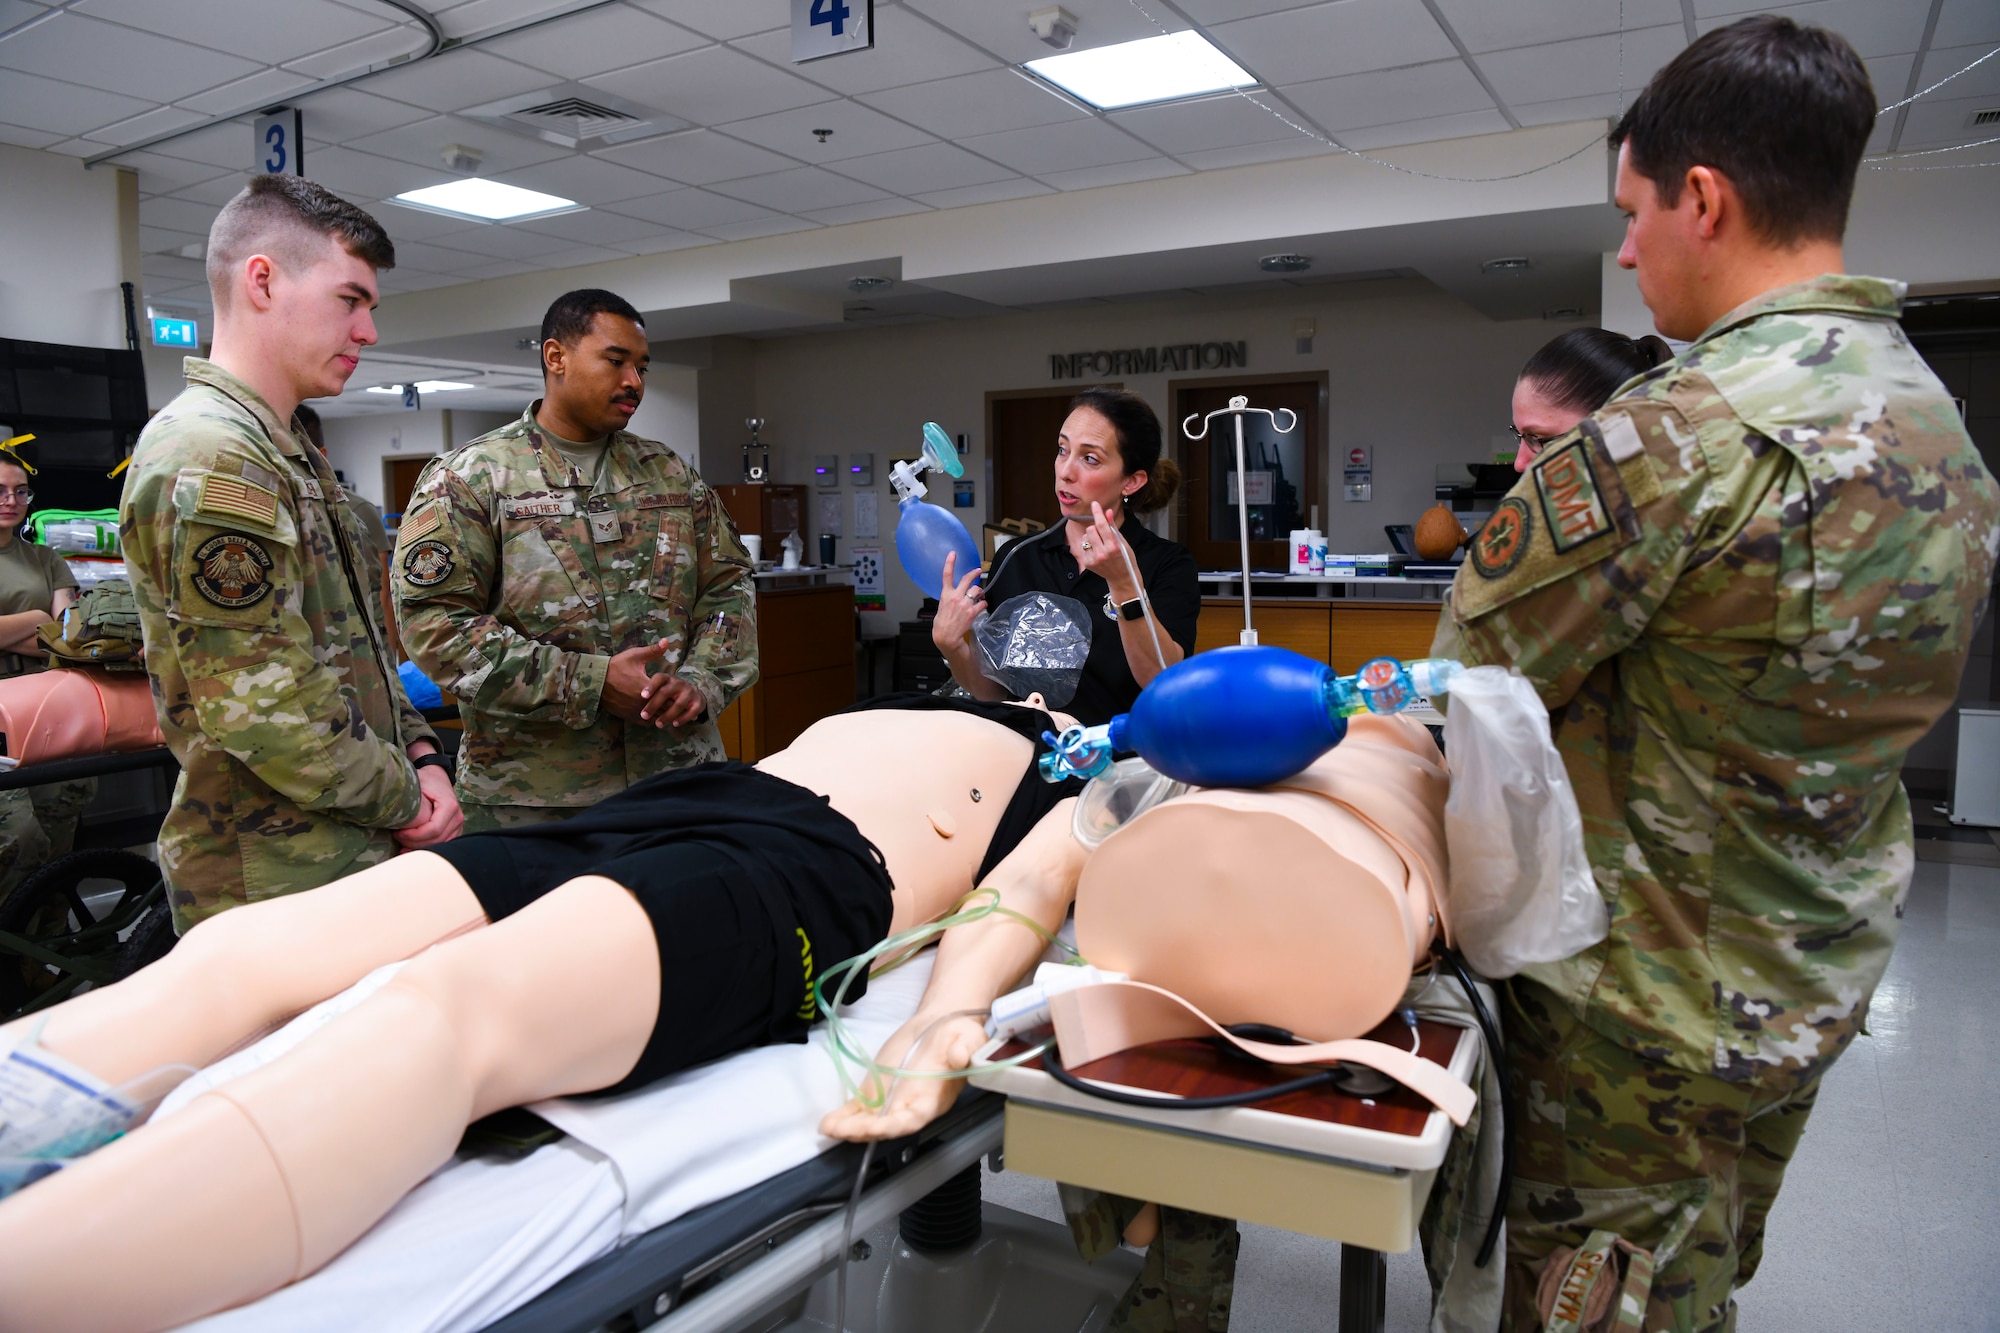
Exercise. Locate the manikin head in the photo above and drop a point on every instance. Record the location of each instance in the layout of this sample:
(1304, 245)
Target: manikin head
(1109, 451)
(1736, 166)
(1573, 375)
(594, 359)
(292, 268)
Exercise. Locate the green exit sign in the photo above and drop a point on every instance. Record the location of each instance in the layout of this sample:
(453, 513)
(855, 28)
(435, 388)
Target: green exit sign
(171, 332)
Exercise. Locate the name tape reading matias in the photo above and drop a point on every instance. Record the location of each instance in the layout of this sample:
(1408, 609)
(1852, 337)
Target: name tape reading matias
(1149, 360)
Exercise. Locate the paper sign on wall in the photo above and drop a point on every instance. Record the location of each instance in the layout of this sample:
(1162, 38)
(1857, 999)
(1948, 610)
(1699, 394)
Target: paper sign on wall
(864, 514)
(869, 594)
(826, 514)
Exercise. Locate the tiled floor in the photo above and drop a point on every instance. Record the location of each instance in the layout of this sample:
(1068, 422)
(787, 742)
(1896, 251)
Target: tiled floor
(1890, 1217)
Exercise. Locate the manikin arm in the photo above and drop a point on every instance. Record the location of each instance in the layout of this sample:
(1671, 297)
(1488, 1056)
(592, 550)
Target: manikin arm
(976, 963)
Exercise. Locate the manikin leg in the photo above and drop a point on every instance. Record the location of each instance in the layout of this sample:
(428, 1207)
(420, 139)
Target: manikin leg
(266, 1179)
(239, 974)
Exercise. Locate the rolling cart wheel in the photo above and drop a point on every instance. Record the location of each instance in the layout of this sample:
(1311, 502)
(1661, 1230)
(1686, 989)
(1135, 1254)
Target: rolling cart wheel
(47, 911)
(150, 941)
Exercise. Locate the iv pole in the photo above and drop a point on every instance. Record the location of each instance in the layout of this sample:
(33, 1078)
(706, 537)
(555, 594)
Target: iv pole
(1239, 407)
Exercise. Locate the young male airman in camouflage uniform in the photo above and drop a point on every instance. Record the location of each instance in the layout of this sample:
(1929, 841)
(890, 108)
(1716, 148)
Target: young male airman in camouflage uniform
(1744, 587)
(269, 670)
(542, 570)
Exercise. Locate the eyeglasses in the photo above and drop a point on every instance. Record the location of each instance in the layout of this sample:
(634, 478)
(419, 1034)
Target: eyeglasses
(20, 494)
(1529, 438)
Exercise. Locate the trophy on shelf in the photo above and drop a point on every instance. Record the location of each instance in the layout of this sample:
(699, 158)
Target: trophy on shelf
(760, 471)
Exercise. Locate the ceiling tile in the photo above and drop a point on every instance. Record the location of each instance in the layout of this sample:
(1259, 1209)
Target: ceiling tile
(19, 11)
(799, 189)
(594, 42)
(1425, 131)
(937, 166)
(36, 103)
(591, 227)
(991, 193)
(259, 90)
(1444, 88)
(433, 258)
(1222, 11)
(177, 215)
(691, 210)
(907, 48)
(1119, 173)
(1215, 122)
(161, 120)
(1071, 147)
(22, 137)
(414, 224)
(1962, 21)
(165, 240)
(377, 49)
(216, 192)
(159, 174)
(1937, 122)
(104, 55)
(857, 132)
(711, 86)
(1942, 64)
(696, 157)
(356, 175)
(76, 148)
(577, 255)
(245, 27)
(1891, 74)
(588, 180)
(228, 147)
(1276, 150)
(342, 115)
(423, 144)
(499, 240)
(1485, 26)
(162, 270)
(1586, 65)
(661, 240)
(1331, 39)
(1875, 28)
(774, 225)
(503, 268)
(867, 212)
(1563, 110)
(410, 280)
(1003, 28)
(456, 80)
(969, 104)
(724, 19)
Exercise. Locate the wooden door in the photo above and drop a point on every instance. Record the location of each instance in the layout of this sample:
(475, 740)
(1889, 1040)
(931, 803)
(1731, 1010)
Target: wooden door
(1284, 470)
(402, 479)
(1022, 430)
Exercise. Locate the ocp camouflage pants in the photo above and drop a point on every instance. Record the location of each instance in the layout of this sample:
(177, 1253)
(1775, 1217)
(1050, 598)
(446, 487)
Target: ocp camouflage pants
(38, 824)
(1190, 1272)
(1684, 1165)
(499, 818)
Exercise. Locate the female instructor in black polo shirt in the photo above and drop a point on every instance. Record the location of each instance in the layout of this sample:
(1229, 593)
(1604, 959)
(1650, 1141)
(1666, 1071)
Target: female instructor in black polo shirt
(1108, 472)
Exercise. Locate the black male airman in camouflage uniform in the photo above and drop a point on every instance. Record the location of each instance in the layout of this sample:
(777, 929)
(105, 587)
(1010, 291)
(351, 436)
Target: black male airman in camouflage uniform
(1744, 587)
(269, 671)
(517, 577)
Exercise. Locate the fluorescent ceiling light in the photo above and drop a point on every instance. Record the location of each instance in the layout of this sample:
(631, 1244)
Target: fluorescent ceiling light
(383, 388)
(1155, 69)
(490, 201)
(423, 386)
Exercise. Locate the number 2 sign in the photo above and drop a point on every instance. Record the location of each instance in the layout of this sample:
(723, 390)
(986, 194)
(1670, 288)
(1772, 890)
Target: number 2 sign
(281, 149)
(831, 27)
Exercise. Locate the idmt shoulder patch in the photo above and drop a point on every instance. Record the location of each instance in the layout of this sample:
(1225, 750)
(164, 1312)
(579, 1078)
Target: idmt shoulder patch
(232, 570)
(1503, 539)
(1573, 502)
(427, 564)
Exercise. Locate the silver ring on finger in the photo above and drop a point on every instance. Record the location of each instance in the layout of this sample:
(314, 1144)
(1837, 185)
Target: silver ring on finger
(1086, 546)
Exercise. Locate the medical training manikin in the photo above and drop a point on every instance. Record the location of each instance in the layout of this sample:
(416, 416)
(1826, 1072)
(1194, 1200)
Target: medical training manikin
(1326, 883)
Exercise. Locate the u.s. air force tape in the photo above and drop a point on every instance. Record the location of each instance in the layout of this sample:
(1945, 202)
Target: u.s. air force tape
(232, 570)
(427, 564)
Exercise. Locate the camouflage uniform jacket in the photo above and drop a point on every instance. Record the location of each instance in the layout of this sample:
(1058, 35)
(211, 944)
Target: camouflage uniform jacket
(516, 580)
(1744, 587)
(273, 686)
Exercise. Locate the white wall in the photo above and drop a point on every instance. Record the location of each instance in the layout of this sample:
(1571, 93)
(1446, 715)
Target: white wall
(59, 224)
(671, 411)
(356, 446)
(1414, 372)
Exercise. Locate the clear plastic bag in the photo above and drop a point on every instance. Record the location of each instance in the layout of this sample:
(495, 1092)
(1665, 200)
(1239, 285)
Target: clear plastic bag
(1035, 643)
(1520, 888)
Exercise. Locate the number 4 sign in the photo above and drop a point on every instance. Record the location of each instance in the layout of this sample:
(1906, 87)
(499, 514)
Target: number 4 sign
(831, 27)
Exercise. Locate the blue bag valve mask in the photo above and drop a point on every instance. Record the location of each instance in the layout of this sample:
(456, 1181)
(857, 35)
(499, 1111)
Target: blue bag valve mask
(925, 533)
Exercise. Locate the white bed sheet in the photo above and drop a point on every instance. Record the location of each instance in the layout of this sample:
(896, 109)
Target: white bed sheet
(482, 1237)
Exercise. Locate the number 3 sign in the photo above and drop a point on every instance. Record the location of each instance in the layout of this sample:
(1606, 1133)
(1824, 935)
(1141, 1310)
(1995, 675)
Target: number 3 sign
(831, 27)
(281, 149)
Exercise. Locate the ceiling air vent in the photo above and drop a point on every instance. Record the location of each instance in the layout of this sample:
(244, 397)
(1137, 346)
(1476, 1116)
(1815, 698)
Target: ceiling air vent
(573, 116)
(1988, 116)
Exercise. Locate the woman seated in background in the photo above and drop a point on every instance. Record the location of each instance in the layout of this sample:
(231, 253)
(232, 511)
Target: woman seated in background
(1572, 376)
(1108, 473)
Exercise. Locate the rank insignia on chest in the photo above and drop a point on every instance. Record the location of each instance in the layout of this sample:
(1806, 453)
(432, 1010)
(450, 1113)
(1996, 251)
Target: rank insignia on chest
(232, 570)
(427, 564)
(1572, 500)
(1503, 539)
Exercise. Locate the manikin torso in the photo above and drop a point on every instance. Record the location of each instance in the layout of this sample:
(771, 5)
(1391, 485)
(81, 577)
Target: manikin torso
(932, 820)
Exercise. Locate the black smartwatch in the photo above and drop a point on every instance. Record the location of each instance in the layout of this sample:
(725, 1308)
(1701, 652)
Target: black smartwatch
(435, 759)
(1132, 610)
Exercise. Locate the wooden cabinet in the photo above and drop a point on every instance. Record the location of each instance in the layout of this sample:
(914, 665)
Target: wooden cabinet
(805, 651)
(1343, 635)
(767, 511)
